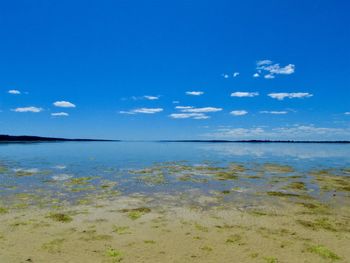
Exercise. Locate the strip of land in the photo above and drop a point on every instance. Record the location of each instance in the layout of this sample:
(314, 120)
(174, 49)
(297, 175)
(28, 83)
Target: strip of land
(10, 138)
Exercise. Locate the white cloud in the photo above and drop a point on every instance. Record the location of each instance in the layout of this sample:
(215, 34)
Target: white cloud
(196, 116)
(147, 97)
(59, 114)
(256, 75)
(293, 95)
(64, 104)
(239, 112)
(274, 69)
(176, 102)
(269, 76)
(142, 110)
(225, 76)
(202, 110)
(263, 62)
(194, 93)
(295, 132)
(347, 113)
(14, 92)
(242, 94)
(190, 112)
(28, 109)
(183, 107)
(235, 74)
(274, 112)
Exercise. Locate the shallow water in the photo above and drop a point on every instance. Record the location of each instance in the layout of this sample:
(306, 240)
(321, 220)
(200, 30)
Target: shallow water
(293, 196)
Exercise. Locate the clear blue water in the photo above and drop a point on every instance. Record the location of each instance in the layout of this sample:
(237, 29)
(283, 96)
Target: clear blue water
(52, 165)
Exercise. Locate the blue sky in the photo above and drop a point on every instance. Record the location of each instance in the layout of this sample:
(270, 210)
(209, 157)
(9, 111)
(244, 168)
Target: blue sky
(175, 70)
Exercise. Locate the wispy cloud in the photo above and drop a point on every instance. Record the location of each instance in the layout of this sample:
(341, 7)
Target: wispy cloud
(28, 109)
(235, 74)
(347, 113)
(239, 112)
(263, 62)
(294, 132)
(256, 75)
(194, 93)
(190, 112)
(147, 97)
(60, 114)
(143, 111)
(274, 112)
(195, 116)
(293, 95)
(14, 92)
(183, 107)
(225, 76)
(242, 94)
(64, 104)
(200, 110)
(272, 69)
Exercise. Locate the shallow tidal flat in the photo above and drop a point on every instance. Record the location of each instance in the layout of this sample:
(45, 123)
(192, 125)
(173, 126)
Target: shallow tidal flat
(175, 212)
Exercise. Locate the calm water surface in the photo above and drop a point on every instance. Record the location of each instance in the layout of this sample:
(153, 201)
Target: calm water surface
(48, 168)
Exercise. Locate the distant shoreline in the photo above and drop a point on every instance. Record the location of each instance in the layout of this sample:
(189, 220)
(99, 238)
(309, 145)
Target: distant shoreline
(25, 138)
(254, 141)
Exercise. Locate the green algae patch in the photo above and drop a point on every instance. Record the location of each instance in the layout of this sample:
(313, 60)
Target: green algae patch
(114, 255)
(296, 186)
(201, 228)
(23, 173)
(331, 182)
(223, 176)
(121, 230)
(276, 168)
(271, 260)
(154, 179)
(80, 180)
(3, 210)
(3, 169)
(324, 223)
(207, 249)
(136, 213)
(315, 207)
(150, 242)
(324, 252)
(281, 194)
(60, 217)
(53, 246)
(91, 235)
(238, 168)
(234, 239)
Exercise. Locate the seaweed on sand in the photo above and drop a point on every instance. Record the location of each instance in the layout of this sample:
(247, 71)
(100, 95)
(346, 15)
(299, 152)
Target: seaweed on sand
(3, 169)
(331, 182)
(324, 223)
(3, 210)
(324, 252)
(114, 254)
(121, 230)
(153, 179)
(60, 217)
(136, 213)
(277, 168)
(53, 246)
(296, 186)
